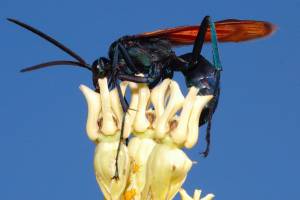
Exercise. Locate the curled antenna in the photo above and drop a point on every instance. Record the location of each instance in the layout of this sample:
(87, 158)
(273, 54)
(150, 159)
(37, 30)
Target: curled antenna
(80, 63)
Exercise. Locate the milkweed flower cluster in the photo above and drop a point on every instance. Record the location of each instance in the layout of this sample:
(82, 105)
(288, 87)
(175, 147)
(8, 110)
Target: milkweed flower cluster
(159, 123)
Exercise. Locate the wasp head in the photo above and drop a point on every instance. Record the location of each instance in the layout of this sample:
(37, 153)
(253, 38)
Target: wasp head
(100, 69)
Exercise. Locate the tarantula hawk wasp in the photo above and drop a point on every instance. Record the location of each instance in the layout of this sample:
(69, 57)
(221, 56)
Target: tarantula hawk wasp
(151, 54)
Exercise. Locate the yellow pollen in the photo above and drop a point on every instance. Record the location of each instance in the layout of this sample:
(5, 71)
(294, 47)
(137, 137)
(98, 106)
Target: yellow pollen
(129, 195)
(135, 168)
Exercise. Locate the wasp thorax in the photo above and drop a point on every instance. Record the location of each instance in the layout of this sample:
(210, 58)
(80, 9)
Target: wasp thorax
(161, 121)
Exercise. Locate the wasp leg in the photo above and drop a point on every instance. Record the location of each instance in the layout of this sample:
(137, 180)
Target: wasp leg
(194, 57)
(127, 59)
(115, 79)
(125, 106)
(199, 41)
(214, 42)
(123, 103)
(218, 67)
(116, 176)
(201, 73)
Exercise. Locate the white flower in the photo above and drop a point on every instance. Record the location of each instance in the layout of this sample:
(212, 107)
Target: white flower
(153, 166)
(197, 195)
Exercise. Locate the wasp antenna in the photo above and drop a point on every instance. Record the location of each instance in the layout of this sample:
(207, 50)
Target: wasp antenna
(55, 63)
(49, 39)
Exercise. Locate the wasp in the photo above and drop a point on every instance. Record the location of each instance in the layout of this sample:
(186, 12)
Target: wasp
(152, 55)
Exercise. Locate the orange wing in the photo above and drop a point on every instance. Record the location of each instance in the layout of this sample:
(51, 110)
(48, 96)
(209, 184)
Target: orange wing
(231, 30)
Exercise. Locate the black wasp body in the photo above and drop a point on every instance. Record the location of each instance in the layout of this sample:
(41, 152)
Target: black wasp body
(156, 60)
(153, 57)
(150, 57)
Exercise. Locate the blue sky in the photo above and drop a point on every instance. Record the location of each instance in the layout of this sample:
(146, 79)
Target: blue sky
(44, 151)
